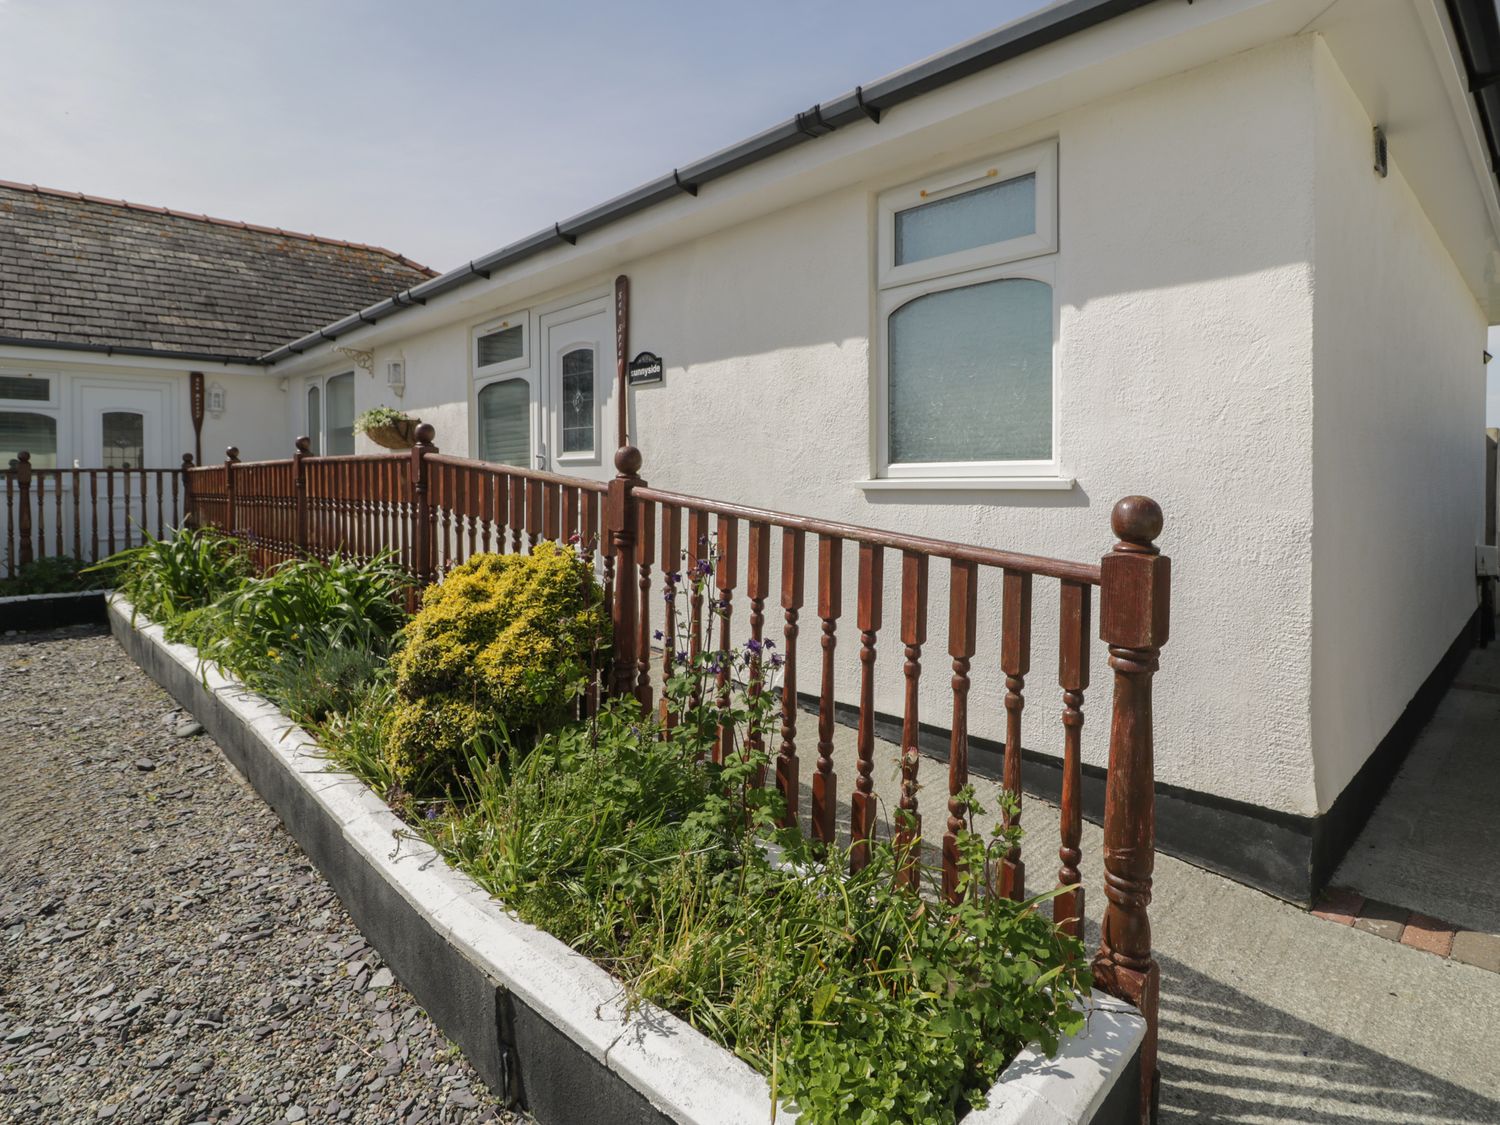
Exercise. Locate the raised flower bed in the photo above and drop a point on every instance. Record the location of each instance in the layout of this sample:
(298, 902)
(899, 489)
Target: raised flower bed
(540, 1021)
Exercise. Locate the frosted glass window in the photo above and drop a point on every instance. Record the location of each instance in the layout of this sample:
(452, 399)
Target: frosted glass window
(500, 347)
(341, 414)
(315, 420)
(24, 388)
(995, 213)
(124, 439)
(578, 401)
(505, 423)
(35, 433)
(971, 374)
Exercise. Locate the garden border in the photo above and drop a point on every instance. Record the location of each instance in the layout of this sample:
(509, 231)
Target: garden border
(25, 613)
(541, 1023)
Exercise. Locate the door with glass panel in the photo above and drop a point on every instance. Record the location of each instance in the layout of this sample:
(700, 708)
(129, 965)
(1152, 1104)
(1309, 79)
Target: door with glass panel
(121, 427)
(328, 414)
(577, 375)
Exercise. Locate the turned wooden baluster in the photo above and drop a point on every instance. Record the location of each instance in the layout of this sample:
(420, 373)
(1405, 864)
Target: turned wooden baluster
(788, 769)
(23, 484)
(671, 578)
(551, 512)
(698, 552)
(867, 617)
(725, 577)
(421, 518)
(571, 530)
(963, 605)
(41, 514)
(517, 521)
(1073, 677)
(757, 586)
(913, 636)
(830, 606)
(78, 515)
(621, 520)
(1015, 662)
(645, 549)
(533, 513)
(1135, 591)
(94, 507)
(590, 530)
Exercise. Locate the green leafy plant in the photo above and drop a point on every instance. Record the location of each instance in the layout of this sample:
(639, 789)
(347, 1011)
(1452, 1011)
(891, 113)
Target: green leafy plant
(378, 416)
(281, 629)
(503, 642)
(55, 574)
(171, 576)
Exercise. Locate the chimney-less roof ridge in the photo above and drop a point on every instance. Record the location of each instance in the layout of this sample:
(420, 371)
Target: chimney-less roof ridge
(59, 193)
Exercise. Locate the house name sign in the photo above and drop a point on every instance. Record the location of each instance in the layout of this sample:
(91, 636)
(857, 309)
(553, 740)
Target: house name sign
(644, 368)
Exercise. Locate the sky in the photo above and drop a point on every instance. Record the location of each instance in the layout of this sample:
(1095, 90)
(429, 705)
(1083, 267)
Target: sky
(441, 129)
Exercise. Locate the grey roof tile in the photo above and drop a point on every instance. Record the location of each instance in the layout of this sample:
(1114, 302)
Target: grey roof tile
(106, 272)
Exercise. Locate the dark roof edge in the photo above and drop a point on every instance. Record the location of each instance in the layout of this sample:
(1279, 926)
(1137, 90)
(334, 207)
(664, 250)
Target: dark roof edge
(123, 349)
(1477, 27)
(863, 103)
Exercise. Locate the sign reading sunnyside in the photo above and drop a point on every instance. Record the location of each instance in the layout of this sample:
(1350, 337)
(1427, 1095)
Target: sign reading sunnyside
(646, 367)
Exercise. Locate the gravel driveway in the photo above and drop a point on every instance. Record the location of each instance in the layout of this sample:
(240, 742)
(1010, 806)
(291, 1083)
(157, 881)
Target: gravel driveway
(167, 953)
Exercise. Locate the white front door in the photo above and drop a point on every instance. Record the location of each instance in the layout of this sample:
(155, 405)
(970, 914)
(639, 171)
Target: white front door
(577, 391)
(119, 425)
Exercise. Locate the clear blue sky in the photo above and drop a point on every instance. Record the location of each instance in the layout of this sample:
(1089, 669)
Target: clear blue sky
(442, 129)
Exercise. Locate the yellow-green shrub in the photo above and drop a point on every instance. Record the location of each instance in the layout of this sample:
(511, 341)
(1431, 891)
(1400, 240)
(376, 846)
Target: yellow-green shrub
(501, 642)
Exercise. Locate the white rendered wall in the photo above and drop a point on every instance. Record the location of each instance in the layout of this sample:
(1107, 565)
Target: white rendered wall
(1184, 368)
(1399, 442)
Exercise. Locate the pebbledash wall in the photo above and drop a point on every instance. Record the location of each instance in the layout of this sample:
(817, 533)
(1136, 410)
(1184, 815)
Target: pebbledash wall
(1237, 333)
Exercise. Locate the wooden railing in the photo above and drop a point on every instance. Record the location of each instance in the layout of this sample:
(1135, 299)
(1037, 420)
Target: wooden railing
(85, 514)
(433, 511)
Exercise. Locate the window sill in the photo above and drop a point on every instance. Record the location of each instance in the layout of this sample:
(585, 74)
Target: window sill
(966, 484)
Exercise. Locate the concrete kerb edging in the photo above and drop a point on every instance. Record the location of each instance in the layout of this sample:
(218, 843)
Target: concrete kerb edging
(511, 995)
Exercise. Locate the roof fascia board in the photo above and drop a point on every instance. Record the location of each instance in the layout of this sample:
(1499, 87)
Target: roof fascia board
(1443, 36)
(101, 355)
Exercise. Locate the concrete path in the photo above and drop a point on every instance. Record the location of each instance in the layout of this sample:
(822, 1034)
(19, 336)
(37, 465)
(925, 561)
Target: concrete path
(1433, 845)
(1269, 1014)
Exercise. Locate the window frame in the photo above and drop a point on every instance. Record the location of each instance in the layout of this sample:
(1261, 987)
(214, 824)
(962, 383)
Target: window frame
(522, 319)
(529, 380)
(1028, 258)
(594, 455)
(321, 382)
(51, 407)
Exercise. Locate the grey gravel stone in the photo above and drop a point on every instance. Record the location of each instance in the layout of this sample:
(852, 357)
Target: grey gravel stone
(168, 954)
(187, 728)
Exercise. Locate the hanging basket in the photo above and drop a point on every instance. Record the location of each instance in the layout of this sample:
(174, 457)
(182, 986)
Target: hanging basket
(395, 435)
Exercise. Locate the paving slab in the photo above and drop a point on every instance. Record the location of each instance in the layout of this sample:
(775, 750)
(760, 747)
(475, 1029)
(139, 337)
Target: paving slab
(1433, 843)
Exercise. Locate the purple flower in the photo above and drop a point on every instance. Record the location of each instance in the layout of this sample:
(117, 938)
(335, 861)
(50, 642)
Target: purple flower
(715, 668)
(432, 812)
(753, 646)
(682, 657)
(770, 644)
(657, 634)
(703, 568)
(668, 594)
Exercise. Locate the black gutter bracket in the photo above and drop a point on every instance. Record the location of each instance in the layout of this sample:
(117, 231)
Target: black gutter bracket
(691, 189)
(870, 111)
(570, 239)
(812, 124)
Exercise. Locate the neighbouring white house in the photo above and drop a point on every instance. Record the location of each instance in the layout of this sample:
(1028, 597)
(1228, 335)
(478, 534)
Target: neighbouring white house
(1237, 255)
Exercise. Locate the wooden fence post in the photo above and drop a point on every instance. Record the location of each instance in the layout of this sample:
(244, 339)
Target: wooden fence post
(299, 494)
(620, 516)
(23, 526)
(189, 508)
(421, 511)
(231, 459)
(1135, 588)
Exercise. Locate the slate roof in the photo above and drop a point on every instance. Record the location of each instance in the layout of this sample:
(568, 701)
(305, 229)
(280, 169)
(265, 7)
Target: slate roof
(99, 272)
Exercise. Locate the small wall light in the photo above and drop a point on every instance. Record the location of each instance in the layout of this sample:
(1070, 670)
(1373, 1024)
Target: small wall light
(1381, 152)
(395, 376)
(214, 400)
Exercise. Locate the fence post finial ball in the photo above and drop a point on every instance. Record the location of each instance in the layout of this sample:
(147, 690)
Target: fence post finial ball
(425, 433)
(1137, 521)
(232, 453)
(187, 460)
(304, 444)
(628, 460)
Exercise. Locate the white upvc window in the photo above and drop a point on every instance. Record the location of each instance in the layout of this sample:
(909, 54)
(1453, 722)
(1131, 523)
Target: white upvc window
(328, 411)
(967, 322)
(502, 345)
(29, 414)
